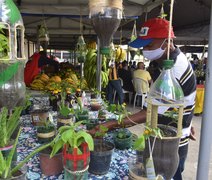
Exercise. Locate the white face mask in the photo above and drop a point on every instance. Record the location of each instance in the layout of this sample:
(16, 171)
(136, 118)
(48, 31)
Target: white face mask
(154, 54)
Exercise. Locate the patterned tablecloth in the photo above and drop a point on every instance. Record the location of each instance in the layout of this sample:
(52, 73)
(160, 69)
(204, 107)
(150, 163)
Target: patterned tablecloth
(28, 142)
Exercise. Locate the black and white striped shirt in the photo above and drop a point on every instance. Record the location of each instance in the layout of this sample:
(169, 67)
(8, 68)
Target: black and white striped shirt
(183, 72)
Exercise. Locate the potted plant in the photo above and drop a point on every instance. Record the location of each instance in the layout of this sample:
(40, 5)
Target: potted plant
(46, 132)
(159, 146)
(65, 116)
(122, 137)
(102, 153)
(8, 170)
(76, 144)
(50, 165)
(81, 113)
(8, 125)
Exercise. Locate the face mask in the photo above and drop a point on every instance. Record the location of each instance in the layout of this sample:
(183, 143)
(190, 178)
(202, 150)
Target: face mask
(154, 54)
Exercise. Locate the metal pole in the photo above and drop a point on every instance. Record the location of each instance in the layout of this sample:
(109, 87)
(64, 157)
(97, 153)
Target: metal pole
(99, 67)
(205, 137)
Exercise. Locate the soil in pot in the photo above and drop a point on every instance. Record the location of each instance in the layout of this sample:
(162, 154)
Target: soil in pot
(100, 158)
(123, 139)
(50, 166)
(45, 134)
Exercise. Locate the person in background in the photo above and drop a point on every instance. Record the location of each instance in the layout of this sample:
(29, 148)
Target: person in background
(114, 84)
(153, 38)
(35, 64)
(154, 70)
(125, 75)
(141, 73)
(134, 66)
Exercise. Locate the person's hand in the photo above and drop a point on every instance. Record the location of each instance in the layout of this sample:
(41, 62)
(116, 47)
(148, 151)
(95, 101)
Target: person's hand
(192, 134)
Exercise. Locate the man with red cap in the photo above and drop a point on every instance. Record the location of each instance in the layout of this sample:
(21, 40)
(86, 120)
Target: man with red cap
(153, 38)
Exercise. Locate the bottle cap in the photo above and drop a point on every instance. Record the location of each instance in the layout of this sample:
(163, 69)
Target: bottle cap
(168, 64)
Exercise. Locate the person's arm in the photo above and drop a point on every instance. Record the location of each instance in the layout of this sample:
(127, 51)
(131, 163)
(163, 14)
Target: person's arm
(139, 117)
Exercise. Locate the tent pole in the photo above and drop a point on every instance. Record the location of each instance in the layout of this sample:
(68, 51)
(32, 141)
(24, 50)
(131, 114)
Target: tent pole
(99, 65)
(205, 137)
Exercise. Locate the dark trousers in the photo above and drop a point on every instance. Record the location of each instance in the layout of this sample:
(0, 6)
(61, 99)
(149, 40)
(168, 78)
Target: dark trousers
(115, 85)
(183, 151)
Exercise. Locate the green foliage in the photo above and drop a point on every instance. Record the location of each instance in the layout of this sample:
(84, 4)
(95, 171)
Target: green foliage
(6, 169)
(80, 110)
(73, 137)
(64, 109)
(139, 143)
(120, 110)
(102, 132)
(4, 43)
(8, 124)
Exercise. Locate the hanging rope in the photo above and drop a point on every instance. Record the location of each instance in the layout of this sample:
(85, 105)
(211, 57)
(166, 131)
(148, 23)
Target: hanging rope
(170, 27)
(81, 25)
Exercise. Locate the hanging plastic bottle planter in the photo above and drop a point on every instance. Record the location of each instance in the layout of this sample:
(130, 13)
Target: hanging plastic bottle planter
(165, 104)
(43, 35)
(12, 58)
(81, 50)
(106, 17)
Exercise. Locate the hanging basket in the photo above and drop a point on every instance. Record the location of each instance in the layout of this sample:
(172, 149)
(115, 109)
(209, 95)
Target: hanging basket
(76, 165)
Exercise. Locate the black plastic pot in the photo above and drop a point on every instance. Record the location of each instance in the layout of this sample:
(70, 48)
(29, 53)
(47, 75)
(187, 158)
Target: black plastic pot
(100, 158)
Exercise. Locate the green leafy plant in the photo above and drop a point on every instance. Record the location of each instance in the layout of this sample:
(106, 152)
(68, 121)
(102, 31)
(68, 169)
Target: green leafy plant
(102, 132)
(64, 108)
(9, 122)
(80, 110)
(121, 111)
(6, 168)
(139, 143)
(73, 137)
(160, 132)
(4, 43)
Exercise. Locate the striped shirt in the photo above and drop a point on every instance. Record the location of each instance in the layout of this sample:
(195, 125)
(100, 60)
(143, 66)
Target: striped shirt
(184, 74)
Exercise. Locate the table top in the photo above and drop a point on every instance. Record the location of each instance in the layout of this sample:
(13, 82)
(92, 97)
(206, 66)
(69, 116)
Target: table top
(28, 142)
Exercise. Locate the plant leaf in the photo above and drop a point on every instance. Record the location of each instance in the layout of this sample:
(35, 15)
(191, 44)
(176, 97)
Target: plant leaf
(56, 147)
(2, 164)
(7, 74)
(139, 143)
(87, 138)
(67, 135)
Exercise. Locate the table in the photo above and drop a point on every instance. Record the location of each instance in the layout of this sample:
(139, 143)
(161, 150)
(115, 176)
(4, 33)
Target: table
(200, 90)
(28, 142)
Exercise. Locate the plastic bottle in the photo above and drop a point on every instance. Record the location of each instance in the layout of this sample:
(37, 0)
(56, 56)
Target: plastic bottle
(166, 89)
(165, 102)
(84, 99)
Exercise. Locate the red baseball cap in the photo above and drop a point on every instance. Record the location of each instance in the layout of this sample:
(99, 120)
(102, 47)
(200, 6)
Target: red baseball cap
(152, 29)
